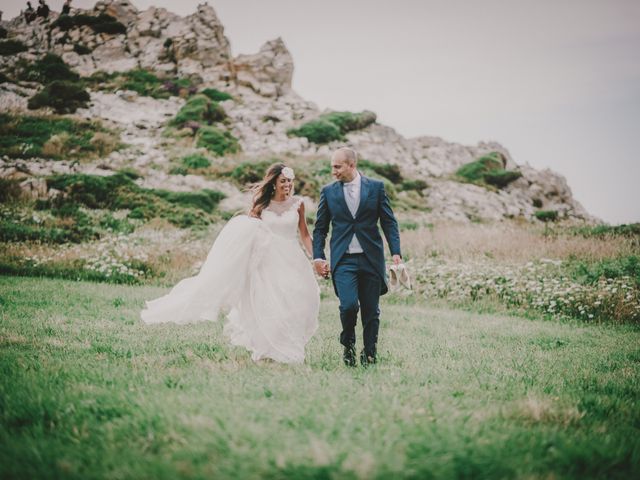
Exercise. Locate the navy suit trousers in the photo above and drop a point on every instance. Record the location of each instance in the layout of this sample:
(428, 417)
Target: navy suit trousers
(358, 285)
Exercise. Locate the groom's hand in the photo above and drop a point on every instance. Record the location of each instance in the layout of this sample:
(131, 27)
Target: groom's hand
(321, 267)
(397, 259)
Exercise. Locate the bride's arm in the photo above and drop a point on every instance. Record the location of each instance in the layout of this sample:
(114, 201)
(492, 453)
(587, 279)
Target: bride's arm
(304, 231)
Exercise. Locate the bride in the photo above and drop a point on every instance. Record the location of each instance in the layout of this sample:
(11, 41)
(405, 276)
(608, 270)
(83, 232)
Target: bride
(257, 271)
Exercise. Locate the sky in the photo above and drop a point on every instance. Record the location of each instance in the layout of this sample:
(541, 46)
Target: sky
(557, 82)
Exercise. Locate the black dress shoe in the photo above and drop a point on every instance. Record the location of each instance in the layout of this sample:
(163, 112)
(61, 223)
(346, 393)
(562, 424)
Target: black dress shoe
(349, 356)
(367, 359)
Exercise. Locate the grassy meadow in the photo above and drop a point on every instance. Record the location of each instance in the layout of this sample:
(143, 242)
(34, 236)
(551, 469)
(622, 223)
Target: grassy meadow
(87, 391)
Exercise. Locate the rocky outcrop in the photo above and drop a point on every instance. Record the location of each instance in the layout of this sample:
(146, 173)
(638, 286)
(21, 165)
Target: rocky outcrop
(268, 72)
(264, 110)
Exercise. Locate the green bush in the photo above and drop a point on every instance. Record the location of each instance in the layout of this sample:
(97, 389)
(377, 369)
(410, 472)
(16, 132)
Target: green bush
(141, 81)
(195, 161)
(102, 23)
(3, 32)
(4, 78)
(475, 171)
(387, 170)
(624, 230)
(501, 178)
(199, 109)
(216, 95)
(216, 141)
(48, 69)
(416, 185)
(62, 96)
(318, 131)
(11, 47)
(183, 209)
(205, 200)
(611, 268)
(18, 232)
(332, 126)
(72, 270)
(546, 215)
(9, 190)
(250, 172)
(408, 225)
(81, 49)
(347, 121)
(24, 136)
(488, 170)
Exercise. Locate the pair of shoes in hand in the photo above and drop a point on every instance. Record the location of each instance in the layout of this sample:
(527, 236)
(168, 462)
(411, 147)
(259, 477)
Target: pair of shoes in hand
(399, 275)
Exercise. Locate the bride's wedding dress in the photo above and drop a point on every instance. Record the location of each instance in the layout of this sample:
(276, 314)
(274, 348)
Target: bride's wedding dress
(257, 271)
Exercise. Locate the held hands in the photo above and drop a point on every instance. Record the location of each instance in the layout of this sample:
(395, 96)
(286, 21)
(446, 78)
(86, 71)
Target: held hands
(321, 267)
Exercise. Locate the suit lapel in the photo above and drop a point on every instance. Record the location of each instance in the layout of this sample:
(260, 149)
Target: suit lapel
(364, 191)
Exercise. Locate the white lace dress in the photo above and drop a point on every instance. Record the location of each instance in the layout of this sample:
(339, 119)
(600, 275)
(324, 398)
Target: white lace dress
(257, 271)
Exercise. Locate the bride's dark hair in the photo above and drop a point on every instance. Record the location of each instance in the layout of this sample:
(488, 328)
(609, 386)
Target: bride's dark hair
(264, 190)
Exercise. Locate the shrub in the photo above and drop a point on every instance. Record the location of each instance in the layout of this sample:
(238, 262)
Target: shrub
(546, 215)
(11, 47)
(610, 268)
(537, 203)
(25, 136)
(501, 178)
(81, 49)
(216, 95)
(217, 141)
(102, 23)
(488, 170)
(630, 230)
(200, 109)
(475, 171)
(56, 146)
(19, 232)
(386, 170)
(318, 131)
(196, 161)
(9, 190)
(250, 172)
(332, 126)
(205, 200)
(62, 96)
(118, 191)
(140, 81)
(104, 143)
(417, 185)
(4, 78)
(48, 69)
(3, 32)
(347, 121)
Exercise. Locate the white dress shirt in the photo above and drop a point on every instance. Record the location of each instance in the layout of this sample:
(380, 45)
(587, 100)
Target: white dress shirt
(352, 197)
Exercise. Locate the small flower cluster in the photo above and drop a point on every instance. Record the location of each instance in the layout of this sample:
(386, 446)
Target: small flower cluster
(115, 256)
(543, 286)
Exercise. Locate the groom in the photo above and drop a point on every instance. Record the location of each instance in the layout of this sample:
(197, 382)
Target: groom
(353, 205)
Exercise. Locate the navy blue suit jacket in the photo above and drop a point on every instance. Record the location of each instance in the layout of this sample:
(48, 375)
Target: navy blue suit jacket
(374, 206)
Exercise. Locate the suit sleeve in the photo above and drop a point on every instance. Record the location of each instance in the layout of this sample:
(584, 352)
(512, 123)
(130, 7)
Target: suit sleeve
(389, 223)
(321, 228)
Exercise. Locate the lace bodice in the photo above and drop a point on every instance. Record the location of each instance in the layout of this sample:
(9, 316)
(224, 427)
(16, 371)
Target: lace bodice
(282, 217)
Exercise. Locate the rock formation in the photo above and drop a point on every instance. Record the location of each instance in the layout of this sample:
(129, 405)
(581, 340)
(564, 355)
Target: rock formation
(264, 109)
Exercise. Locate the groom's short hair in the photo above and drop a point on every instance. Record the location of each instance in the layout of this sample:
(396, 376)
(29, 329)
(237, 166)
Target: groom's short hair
(349, 153)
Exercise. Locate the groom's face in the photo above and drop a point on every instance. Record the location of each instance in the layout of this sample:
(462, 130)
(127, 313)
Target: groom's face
(342, 169)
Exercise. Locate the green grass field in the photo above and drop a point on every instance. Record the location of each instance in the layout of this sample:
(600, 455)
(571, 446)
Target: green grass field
(87, 391)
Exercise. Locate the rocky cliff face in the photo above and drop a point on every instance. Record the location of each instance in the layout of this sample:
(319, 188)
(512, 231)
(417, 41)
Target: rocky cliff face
(265, 108)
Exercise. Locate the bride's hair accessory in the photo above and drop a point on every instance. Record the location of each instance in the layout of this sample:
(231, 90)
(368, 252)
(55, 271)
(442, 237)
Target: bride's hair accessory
(288, 173)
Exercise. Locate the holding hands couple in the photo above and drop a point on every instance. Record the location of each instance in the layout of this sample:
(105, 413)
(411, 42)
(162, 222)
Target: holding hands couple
(257, 271)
